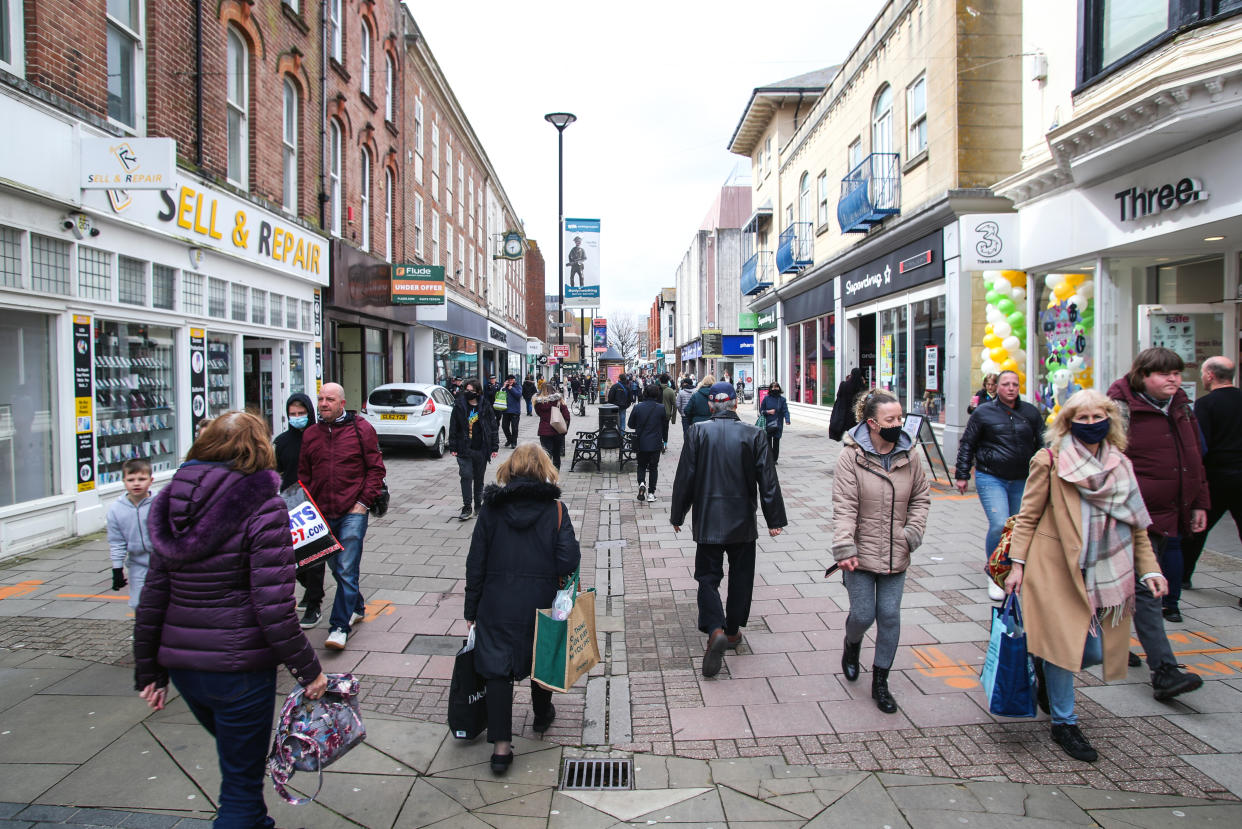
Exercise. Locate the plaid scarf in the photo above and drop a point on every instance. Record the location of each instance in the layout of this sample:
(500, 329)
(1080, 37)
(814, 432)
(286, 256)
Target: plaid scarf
(1112, 509)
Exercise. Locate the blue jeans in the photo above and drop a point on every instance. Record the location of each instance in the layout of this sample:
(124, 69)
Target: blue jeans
(530, 409)
(1060, 683)
(1000, 499)
(1169, 555)
(621, 419)
(236, 709)
(349, 530)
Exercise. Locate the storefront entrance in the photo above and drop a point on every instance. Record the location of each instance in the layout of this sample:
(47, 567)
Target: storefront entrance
(259, 383)
(1195, 332)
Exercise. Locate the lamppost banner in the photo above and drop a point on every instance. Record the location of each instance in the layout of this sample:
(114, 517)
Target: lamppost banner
(581, 265)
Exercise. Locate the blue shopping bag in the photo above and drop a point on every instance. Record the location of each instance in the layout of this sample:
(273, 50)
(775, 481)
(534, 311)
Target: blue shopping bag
(1008, 673)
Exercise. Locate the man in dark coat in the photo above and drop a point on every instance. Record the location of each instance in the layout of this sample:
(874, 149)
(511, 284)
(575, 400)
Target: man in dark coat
(474, 442)
(619, 396)
(724, 473)
(288, 452)
(1163, 446)
(512, 414)
(648, 420)
(843, 418)
(528, 394)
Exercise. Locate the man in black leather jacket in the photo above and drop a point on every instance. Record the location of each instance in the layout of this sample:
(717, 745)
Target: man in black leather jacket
(724, 473)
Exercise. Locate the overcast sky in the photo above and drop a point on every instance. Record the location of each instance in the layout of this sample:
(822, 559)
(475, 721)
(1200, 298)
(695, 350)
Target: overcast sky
(658, 88)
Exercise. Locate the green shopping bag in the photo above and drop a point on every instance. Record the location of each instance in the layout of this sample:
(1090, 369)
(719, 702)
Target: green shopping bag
(565, 649)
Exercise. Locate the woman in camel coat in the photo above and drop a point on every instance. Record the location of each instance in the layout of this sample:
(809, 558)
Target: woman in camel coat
(1076, 582)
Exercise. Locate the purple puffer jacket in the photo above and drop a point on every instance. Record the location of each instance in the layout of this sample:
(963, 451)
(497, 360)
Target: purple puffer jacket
(219, 596)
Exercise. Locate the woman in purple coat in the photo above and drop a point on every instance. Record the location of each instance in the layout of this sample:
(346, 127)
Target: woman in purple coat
(217, 613)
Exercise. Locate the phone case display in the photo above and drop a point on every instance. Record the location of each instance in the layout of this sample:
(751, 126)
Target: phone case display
(134, 397)
(219, 376)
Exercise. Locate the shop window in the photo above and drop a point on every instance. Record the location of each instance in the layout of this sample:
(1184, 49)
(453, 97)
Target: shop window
(239, 303)
(10, 257)
(134, 397)
(795, 362)
(237, 86)
(455, 357)
(192, 292)
(125, 69)
(217, 297)
(258, 306)
(289, 139)
(916, 117)
(297, 367)
(219, 375)
(1065, 324)
(29, 455)
(94, 273)
(827, 359)
(308, 322)
(163, 287)
(810, 366)
(132, 283)
(892, 359)
(929, 359)
(291, 312)
(276, 319)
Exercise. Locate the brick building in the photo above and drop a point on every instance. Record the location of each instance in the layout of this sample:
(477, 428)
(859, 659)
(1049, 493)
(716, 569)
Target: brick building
(536, 322)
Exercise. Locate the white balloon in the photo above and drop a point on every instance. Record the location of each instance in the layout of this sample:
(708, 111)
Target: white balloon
(1002, 328)
(1018, 355)
(1012, 344)
(1018, 295)
(990, 367)
(1079, 300)
(1001, 285)
(1087, 289)
(1054, 279)
(993, 314)
(985, 354)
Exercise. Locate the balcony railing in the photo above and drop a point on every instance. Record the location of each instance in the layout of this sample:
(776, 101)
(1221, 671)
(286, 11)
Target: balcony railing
(871, 192)
(795, 249)
(757, 273)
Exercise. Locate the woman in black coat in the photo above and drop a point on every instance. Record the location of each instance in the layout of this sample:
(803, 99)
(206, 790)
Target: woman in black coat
(775, 416)
(647, 420)
(843, 418)
(522, 546)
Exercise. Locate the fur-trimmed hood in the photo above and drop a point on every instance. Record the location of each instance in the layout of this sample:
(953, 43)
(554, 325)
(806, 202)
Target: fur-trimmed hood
(203, 505)
(549, 396)
(521, 501)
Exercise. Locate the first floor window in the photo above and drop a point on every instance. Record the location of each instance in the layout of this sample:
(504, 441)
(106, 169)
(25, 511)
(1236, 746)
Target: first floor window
(238, 94)
(290, 142)
(916, 117)
(418, 226)
(334, 178)
(364, 194)
(822, 195)
(124, 55)
(389, 241)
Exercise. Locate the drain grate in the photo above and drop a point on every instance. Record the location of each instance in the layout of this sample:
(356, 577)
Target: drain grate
(592, 774)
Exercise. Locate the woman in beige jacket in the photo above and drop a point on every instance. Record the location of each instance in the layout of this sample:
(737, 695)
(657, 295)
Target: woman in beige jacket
(879, 513)
(1076, 546)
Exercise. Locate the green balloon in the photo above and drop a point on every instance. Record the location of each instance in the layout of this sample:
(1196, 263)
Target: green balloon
(1016, 319)
(1005, 306)
(992, 297)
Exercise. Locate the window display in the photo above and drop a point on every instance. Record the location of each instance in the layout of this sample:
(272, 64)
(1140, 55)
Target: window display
(297, 367)
(134, 397)
(929, 358)
(219, 376)
(827, 359)
(28, 434)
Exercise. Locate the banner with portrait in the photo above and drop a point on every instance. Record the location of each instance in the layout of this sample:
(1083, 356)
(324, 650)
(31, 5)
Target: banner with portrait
(581, 265)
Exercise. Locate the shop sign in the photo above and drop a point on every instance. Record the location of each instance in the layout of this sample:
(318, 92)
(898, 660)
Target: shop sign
(739, 345)
(198, 377)
(417, 285)
(692, 352)
(765, 320)
(900, 270)
(83, 402)
(534, 347)
(599, 335)
(498, 336)
(989, 241)
(128, 163)
(1138, 203)
(713, 344)
(747, 321)
(560, 351)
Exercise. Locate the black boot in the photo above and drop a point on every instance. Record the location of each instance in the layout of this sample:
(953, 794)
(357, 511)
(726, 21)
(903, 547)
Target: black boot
(879, 691)
(849, 660)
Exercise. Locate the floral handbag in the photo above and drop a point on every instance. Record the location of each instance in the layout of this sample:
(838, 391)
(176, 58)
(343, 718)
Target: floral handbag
(313, 734)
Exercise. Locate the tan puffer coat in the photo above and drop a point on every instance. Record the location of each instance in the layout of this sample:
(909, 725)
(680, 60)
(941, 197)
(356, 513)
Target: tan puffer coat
(879, 516)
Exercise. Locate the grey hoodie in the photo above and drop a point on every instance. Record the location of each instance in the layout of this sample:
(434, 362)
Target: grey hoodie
(128, 537)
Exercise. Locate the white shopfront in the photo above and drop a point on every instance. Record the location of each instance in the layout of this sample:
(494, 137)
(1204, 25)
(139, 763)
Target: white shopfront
(126, 319)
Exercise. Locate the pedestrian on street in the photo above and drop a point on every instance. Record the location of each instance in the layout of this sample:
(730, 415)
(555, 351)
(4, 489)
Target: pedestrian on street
(669, 397)
(288, 446)
(880, 501)
(129, 541)
(474, 442)
(343, 469)
(489, 391)
(528, 393)
(1162, 443)
(522, 546)
(1078, 547)
(646, 421)
(698, 407)
(723, 474)
(986, 393)
(999, 441)
(843, 407)
(684, 393)
(512, 414)
(575, 386)
(552, 441)
(1219, 413)
(775, 416)
(217, 611)
(619, 396)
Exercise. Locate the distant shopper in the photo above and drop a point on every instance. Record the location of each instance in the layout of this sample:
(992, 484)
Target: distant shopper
(775, 416)
(528, 393)
(698, 407)
(512, 413)
(843, 407)
(669, 397)
(1219, 413)
(619, 396)
(646, 421)
(523, 544)
(999, 441)
(129, 541)
(683, 397)
(723, 474)
(474, 442)
(880, 501)
(490, 390)
(552, 441)
(288, 445)
(986, 394)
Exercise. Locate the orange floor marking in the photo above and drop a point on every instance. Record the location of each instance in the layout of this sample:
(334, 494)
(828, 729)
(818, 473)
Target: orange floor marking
(121, 598)
(19, 589)
(936, 664)
(376, 609)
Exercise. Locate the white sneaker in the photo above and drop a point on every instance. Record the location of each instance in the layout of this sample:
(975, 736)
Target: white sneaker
(336, 640)
(995, 593)
(650, 497)
(355, 618)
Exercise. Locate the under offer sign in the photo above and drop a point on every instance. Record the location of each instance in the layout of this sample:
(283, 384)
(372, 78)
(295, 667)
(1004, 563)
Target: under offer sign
(561, 351)
(417, 285)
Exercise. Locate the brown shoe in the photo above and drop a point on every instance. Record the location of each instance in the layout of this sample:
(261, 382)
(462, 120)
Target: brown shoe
(713, 657)
(734, 640)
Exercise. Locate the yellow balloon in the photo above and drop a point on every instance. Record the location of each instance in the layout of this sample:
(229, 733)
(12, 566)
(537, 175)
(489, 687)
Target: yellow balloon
(1075, 279)
(1000, 355)
(1010, 364)
(992, 341)
(988, 329)
(1022, 377)
(1063, 291)
(1049, 419)
(1016, 278)
(1056, 409)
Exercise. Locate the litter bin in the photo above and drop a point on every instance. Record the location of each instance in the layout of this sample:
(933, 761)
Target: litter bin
(609, 427)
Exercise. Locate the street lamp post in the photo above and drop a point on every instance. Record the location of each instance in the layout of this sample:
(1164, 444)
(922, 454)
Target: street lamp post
(560, 120)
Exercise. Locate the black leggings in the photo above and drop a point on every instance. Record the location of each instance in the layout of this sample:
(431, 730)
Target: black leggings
(774, 443)
(648, 464)
(500, 707)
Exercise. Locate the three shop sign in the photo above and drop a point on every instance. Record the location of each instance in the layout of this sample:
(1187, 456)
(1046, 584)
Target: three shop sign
(417, 284)
(1139, 203)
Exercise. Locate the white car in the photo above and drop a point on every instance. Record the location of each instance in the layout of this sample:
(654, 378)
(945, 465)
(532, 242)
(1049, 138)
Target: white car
(410, 415)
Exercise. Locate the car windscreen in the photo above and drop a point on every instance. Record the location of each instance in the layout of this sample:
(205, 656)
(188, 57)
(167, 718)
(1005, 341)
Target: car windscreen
(397, 397)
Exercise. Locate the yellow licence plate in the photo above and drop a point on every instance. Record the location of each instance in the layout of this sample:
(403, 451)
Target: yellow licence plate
(393, 417)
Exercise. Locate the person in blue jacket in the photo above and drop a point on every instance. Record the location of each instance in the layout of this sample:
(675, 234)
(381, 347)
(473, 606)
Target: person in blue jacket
(647, 420)
(512, 414)
(775, 416)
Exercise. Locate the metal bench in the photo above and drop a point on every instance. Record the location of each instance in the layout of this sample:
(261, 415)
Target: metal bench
(586, 448)
(627, 453)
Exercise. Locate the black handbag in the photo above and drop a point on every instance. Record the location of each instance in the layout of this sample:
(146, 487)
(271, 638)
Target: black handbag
(467, 708)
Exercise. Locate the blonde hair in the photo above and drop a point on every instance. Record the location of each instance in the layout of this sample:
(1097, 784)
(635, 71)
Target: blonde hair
(527, 461)
(239, 438)
(1087, 399)
(707, 382)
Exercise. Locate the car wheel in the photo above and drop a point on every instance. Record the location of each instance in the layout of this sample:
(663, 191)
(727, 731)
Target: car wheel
(441, 446)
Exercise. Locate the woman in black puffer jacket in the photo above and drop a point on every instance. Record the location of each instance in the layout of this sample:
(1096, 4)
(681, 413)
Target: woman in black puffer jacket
(523, 544)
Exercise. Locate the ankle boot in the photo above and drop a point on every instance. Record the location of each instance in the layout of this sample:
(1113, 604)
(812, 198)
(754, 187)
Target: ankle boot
(879, 691)
(849, 660)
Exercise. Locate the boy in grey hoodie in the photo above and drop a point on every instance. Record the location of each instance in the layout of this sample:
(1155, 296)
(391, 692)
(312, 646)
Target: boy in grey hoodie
(128, 537)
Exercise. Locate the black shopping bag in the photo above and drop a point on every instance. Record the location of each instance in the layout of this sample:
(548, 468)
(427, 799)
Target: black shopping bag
(467, 712)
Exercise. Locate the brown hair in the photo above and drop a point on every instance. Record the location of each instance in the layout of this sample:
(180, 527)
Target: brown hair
(1151, 361)
(136, 466)
(238, 438)
(527, 461)
(1087, 399)
(868, 403)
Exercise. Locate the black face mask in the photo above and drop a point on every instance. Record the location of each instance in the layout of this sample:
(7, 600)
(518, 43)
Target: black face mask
(472, 398)
(890, 433)
(774, 391)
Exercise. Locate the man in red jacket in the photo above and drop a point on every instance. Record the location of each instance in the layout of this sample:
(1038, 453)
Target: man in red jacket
(1164, 448)
(343, 469)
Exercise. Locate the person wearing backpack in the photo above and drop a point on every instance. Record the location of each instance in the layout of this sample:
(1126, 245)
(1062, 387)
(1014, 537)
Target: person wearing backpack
(619, 396)
(647, 421)
(552, 440)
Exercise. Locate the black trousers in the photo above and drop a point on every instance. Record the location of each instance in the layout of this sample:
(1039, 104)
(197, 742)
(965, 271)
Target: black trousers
(500, 707)
(664, 429)
(648, 466)
(509, 423)
(774, 444)
(311, 578)
(472, 467)
(554, 445)
(709, 570)
(1226, 495)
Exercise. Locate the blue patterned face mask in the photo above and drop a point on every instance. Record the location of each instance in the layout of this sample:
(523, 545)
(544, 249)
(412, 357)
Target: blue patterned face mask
(299, 422)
